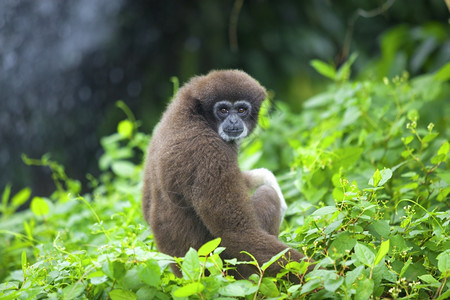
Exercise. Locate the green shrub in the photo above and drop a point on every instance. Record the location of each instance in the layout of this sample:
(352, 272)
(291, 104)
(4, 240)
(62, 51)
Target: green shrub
(364, 168)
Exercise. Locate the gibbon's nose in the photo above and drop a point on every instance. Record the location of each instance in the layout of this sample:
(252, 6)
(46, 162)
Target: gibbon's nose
(234, 119)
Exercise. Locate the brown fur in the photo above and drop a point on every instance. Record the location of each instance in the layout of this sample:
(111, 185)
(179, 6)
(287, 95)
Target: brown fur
(194, 190)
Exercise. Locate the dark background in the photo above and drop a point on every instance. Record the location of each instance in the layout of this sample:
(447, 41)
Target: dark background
(64, 64)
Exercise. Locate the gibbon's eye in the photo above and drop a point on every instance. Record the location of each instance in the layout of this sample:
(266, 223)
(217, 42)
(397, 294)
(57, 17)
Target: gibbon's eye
(242, 110)
(223, 111)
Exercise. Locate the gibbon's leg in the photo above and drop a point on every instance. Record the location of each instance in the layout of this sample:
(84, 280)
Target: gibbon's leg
(267, 207)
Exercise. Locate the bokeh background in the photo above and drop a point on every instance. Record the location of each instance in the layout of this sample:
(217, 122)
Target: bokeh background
(64, 64)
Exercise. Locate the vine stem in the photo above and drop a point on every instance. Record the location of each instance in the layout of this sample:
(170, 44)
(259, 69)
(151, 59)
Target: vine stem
(351, 23)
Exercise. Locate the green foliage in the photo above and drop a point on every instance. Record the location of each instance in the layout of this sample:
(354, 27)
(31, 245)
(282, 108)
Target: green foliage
(365, 171)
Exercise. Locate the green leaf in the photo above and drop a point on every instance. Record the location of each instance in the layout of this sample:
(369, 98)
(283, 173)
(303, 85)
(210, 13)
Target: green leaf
(189, 289)
(191, 265)
(444, 149)
(39, 206)
(444, 296)
(273, 259)
(24, 261)
(364, 289)
(21, 197)
(344, 71)
(114, 269)
(238, 288)
(72, 291)
(444, 261)
(123, 168)
(364, 254)
(441, 154)
(209, 247)
(379, 178)
(324, 68)
(326, 210)
(443, 74)
(311, 285)
(150, 273)
(146, 292)
(407, 140)
(375, 178)
(333, 226)
(384, 248)
(342, 243)
(429, 137)
(386, 174)
(381, 227)
(332, 284)
(268, 288)
(427, 278)
(351, 276)
(347, 157)
(119, 294)
(405, 267)
(5, 198)
(125, 128)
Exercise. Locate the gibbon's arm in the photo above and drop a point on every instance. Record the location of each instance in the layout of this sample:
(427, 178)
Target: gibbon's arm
(228, 213)
(262, 176)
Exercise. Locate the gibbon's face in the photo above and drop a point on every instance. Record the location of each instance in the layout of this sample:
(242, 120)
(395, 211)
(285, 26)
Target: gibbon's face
(233, 119)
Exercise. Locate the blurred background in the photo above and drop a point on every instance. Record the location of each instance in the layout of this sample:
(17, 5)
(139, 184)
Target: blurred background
(64, 64)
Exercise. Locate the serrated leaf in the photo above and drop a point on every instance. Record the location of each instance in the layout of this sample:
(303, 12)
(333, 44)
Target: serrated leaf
(39, 206)
(384, 248)
(324, 68)
(119, 294)
(189, 289)
(209, 247)
(364, 254)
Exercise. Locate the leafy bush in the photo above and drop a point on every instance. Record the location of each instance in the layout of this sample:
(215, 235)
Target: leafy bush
(364, 168)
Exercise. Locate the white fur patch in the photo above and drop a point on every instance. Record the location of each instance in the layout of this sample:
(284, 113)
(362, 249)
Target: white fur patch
(228, 138)
(262, 176)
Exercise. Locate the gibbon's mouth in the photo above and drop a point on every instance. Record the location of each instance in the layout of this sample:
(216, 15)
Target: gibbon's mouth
(234, 132)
